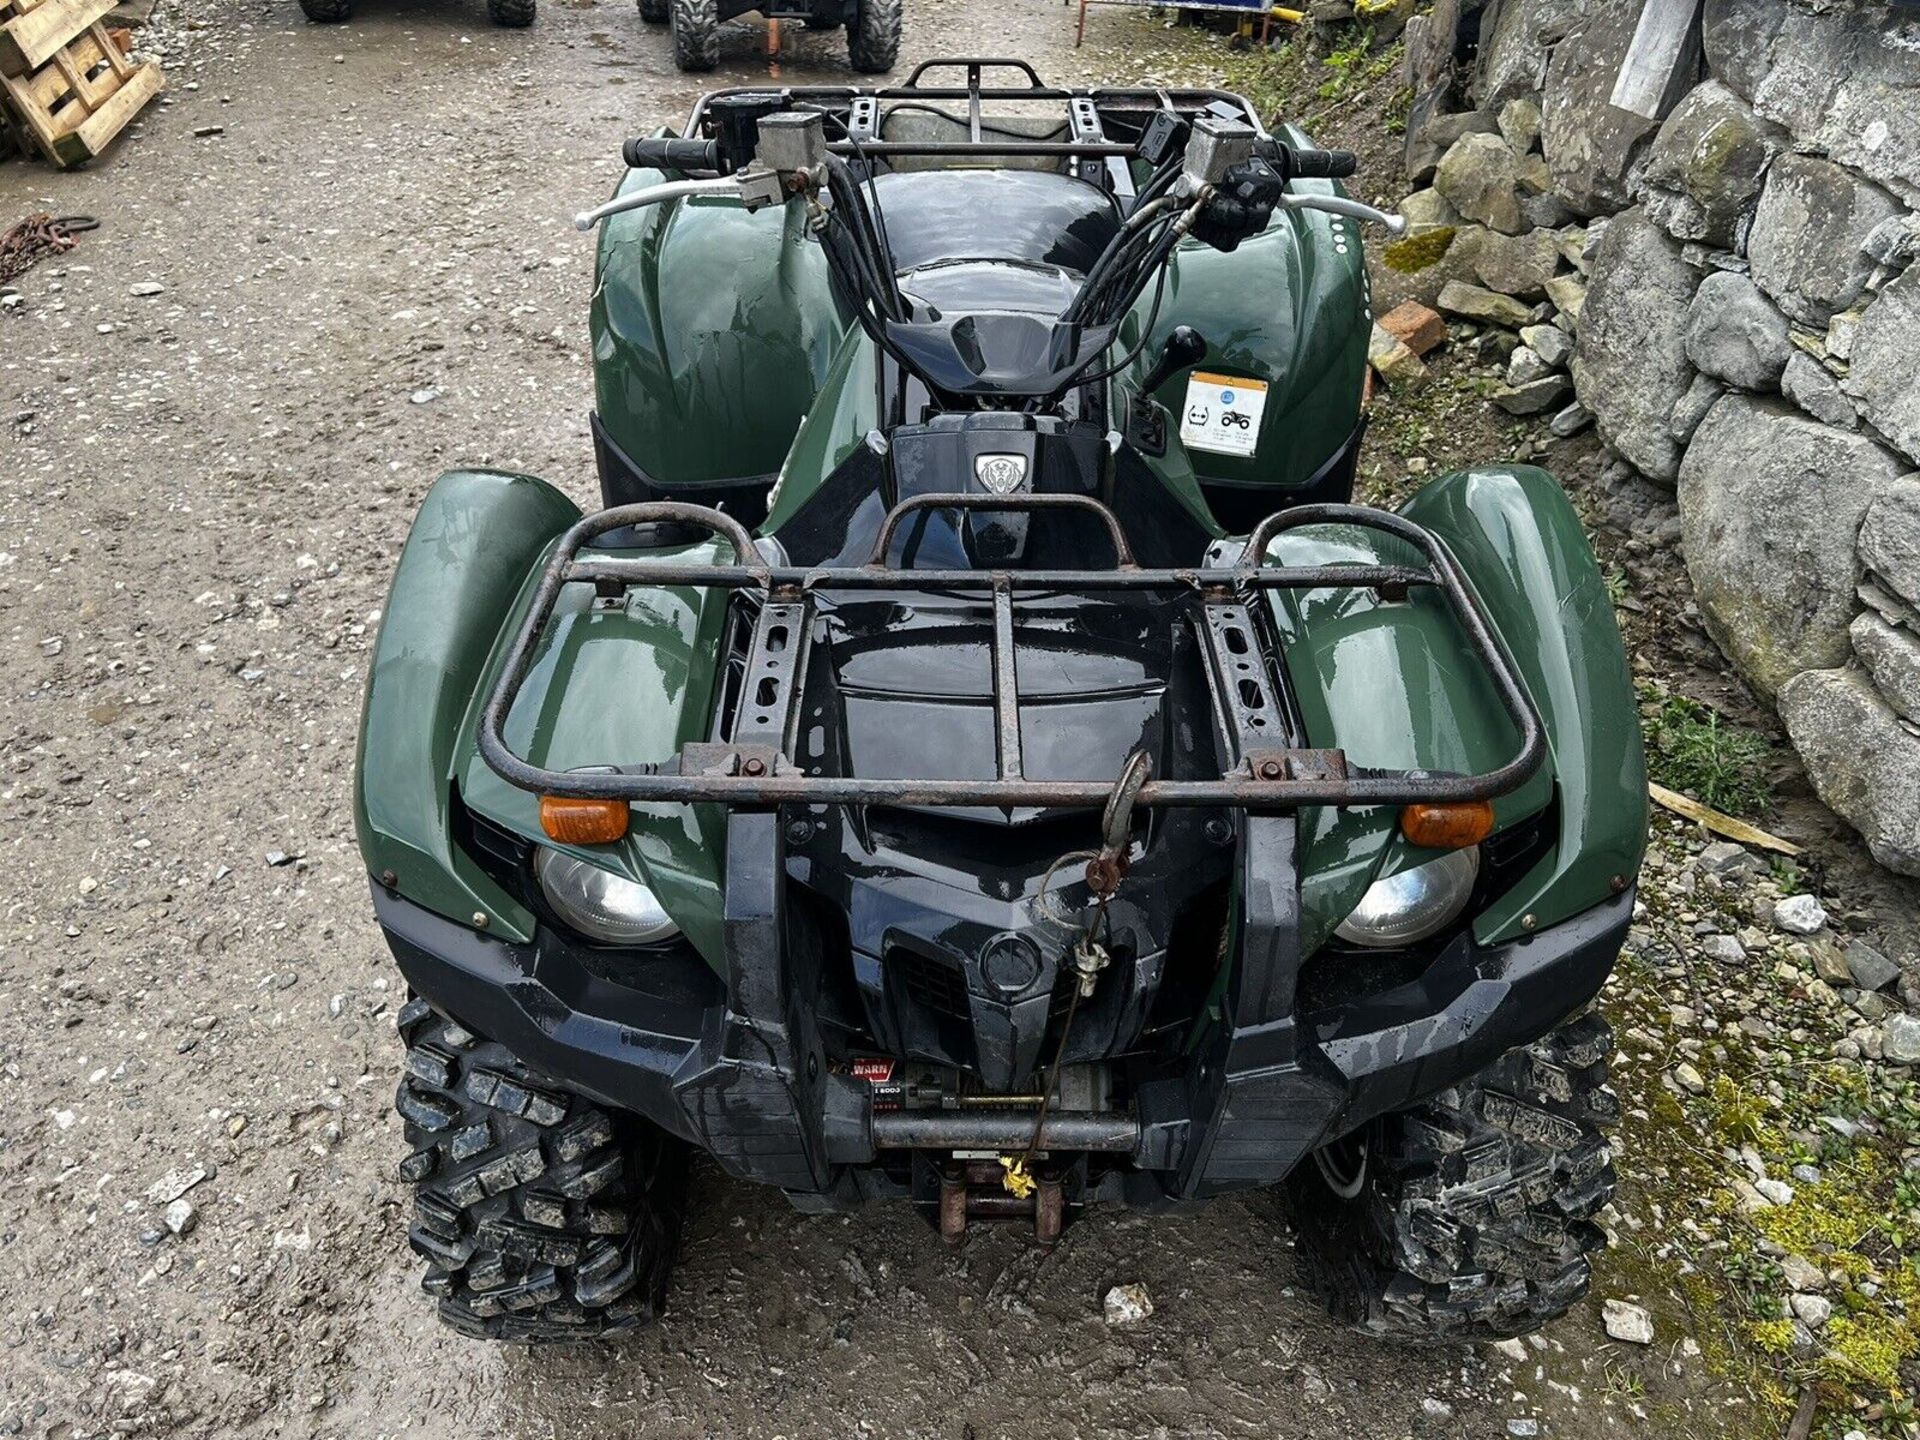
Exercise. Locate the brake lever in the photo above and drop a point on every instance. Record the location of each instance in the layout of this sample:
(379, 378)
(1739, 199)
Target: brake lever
(1352, 209)
(655, 195)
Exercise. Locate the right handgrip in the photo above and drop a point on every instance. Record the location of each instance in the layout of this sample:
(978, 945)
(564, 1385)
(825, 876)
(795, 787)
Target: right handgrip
(668, 153)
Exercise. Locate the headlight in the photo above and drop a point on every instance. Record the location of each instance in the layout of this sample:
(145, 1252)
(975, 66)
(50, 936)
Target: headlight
(599, 904)
(1415, 903)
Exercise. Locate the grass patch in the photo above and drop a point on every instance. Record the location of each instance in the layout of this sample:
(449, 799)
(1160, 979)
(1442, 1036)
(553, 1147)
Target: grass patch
(1692, 749)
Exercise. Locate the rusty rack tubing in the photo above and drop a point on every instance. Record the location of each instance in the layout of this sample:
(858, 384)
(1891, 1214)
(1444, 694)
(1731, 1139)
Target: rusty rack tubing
(753, 771)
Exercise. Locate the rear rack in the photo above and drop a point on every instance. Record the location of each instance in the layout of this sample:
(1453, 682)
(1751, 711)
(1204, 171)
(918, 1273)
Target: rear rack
(1083, 106)
(751, 768)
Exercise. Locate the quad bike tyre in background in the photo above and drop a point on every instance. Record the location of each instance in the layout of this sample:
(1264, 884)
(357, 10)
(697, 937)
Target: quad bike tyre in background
(540, 1214)
(696, 34)
(1471, 1215)
(873, 39)
(514, 14)
(655, 12)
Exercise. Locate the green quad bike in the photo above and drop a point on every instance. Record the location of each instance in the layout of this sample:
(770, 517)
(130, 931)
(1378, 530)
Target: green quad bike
(872, 26)
(515, 14)
(978, 757)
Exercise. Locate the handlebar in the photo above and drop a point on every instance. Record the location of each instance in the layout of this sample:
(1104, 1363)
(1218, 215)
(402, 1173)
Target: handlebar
(667, 153)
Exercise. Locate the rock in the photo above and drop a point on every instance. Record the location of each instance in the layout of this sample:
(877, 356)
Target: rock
(1568, 295)
(1830, 963)
(1806, 383)
(1689, 1079)
(1520, 125)
(146, 290)
(1394, 363)
(1570, 421)
(1691, 408)
(1841, 331)
(1592, 147)
(1864, 765)
(1127, 1305)
(1552, 344)
(1890, 538)
(1738, 37)
(1815, 1310)
(1723, 857)
(1473, 302)
(1841, 78)
(1415, 326)
(1430, 136)
(1723, 949)
(1900, 1040)
(1892, 656)
(1515, 41)
(1886, 358)
(1804, 248)
(175, 1183)
(1430, 45)
(1893, 244)
(1799, 915)
(1525, 366)
(1770, 503)
(1870, 969)
(181, 1216)
(1776, 1192)
(1631, 365)
(1517, 264)
(1535, 396)
(1802, 1274)
(1630, 1323)
(1735, 334)
(1426, 210)
(1480, 177)
(1705, 167)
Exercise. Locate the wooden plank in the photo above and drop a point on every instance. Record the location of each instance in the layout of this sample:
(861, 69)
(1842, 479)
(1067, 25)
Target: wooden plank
(110, 119)
(1659, 64)
(31, 38)
(1719, 822)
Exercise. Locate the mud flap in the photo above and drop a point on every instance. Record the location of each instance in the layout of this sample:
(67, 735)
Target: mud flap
(751, 1092)
(1255, 1103)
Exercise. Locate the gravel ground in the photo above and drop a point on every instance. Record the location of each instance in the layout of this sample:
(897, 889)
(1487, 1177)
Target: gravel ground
(366, 276)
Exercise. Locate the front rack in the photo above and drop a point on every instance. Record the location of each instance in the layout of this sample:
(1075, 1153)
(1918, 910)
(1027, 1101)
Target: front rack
(752, 767)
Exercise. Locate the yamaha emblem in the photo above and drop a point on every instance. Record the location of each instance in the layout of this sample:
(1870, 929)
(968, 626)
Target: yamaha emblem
(1002, 474)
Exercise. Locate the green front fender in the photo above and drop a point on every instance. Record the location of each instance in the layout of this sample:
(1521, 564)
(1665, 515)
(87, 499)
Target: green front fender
(1394, 685)
(477, 537)
(621, 682)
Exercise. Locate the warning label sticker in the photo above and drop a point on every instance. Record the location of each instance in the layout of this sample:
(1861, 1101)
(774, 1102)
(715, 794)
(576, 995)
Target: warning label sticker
(1222, 413)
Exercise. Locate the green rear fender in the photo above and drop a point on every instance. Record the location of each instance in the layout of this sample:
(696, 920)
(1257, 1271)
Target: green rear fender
(1394, 685)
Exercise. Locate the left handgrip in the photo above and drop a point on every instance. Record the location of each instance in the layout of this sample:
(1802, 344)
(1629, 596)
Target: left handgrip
(668, 153)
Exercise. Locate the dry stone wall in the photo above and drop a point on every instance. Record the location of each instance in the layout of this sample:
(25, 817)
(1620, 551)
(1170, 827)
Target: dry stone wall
(1740, 281)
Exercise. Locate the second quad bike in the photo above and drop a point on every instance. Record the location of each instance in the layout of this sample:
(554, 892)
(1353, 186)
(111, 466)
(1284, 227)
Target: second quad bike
(872, 26)
(516, 14)
(979, 757)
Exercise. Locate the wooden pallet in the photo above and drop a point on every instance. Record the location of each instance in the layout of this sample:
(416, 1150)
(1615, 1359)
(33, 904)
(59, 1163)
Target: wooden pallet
(32, 32)
(74, 105)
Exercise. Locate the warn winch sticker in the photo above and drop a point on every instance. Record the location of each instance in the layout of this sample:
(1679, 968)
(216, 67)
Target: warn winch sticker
(1222, 413)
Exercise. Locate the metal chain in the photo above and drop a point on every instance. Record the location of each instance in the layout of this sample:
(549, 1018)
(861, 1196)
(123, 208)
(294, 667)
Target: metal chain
(35, 238)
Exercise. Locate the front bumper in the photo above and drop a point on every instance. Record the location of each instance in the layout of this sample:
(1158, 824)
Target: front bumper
(745, 1079)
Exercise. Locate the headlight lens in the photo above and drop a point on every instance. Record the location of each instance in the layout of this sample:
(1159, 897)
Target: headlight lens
(1415, 903)
(599, 904)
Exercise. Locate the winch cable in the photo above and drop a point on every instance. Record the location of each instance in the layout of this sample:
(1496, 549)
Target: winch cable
(1106, 867)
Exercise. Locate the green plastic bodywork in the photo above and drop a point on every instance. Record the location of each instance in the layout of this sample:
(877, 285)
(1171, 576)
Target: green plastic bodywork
(743, 367)
(712, 330)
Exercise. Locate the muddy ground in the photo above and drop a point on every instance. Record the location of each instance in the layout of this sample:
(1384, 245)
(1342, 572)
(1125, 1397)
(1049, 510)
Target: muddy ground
(366, 276)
